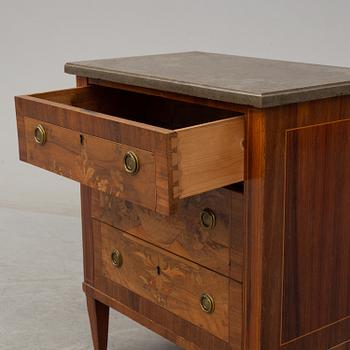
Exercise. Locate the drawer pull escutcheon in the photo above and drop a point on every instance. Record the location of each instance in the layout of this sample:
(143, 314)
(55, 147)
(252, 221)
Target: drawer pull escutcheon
(208, 219)
(117, 259)
(207, 303)
(131, 163)
(40, 134)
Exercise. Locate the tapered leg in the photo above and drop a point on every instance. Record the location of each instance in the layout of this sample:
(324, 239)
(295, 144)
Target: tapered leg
(99, 318)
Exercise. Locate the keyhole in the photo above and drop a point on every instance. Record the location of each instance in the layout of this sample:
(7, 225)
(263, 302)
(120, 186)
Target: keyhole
(81, 139)
(158, 270)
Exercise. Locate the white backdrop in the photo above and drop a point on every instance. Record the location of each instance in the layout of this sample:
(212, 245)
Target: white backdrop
(37, 37)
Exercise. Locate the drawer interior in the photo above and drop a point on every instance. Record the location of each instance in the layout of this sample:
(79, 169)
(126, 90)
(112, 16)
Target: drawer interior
(194, 148)
(153, 110)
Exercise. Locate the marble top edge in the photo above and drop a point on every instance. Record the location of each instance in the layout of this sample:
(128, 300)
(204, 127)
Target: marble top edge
(258, 82)
(71, 67)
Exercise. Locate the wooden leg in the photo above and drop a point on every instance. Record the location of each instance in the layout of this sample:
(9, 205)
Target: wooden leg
(99, 318)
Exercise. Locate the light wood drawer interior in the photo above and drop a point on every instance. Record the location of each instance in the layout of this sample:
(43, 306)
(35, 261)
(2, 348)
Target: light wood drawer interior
(195, 148)
(165, 279)
(218, 246)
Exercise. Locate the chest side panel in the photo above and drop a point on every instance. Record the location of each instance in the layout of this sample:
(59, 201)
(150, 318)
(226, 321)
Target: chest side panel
(316, 243)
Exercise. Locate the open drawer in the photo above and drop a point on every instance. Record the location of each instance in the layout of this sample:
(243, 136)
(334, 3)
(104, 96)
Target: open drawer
(149, 150)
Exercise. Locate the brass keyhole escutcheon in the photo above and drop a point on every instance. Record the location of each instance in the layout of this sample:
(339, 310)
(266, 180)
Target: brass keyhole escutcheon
(40, 134)
(208, 219)
(131, 163)
(117, 259)
(207, 303)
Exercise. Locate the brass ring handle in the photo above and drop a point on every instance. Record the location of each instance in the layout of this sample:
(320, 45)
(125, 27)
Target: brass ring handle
(208, 219)
(131, 163)
(207, 303)
(117, 259)
(40, 134)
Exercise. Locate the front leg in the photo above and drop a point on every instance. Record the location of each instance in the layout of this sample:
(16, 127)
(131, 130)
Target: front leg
(99, 319)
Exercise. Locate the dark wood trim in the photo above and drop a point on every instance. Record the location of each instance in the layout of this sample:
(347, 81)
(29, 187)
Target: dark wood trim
(342, 346)
(323, 339)
(178, 331)
(88, 248)
(253, 219)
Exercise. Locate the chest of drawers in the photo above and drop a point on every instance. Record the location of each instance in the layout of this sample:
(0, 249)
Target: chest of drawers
(215, 195)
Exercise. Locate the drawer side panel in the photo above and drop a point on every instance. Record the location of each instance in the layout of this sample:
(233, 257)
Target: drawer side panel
(210, 156)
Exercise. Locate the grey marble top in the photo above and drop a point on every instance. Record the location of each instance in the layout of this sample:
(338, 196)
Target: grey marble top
(243, 80)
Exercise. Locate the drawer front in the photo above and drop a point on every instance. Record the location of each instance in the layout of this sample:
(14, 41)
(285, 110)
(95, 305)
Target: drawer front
(93, 161)
(184, 162)
(184, 233)
(165, 279)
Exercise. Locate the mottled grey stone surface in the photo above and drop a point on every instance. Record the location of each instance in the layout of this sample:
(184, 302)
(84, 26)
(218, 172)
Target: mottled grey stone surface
(243, 80)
